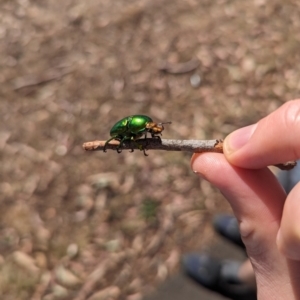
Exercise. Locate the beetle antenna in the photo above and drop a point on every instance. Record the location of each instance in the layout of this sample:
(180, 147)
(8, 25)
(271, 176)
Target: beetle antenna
(164, 123)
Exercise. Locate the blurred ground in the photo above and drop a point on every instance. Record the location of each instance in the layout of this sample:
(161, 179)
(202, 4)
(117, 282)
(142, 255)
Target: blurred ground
(181, 287)
(76, 225)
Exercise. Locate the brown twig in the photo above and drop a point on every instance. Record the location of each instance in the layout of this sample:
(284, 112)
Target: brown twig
(36, 79)
(194, 146)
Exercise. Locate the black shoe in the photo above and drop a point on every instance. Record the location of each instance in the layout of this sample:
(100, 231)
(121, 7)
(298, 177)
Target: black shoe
(218, 276)
(228, 227)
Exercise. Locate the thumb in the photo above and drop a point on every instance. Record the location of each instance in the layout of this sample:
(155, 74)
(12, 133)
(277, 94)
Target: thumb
(288, 238)
(274, 139)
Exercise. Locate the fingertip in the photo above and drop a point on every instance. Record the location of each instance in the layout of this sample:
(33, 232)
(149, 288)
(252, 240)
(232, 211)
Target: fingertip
(196, 164)
(203, 163)
(193, 159)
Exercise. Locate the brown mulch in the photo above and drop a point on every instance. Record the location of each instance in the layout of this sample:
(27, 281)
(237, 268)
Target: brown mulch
(79, 225)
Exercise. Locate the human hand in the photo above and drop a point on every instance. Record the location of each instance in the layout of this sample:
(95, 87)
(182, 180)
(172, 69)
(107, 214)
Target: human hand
(269, 220)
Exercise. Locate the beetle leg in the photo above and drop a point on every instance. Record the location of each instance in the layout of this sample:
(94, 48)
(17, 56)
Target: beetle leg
(121, 144)
(155, 136)
(113, 138)
(138, 145)
(133, 139)
(144, 149)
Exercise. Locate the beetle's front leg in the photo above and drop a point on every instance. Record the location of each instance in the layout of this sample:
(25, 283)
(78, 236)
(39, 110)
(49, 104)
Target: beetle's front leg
(156, 136)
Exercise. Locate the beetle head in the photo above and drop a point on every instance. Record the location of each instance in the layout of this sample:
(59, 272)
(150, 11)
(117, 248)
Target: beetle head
(156, 128)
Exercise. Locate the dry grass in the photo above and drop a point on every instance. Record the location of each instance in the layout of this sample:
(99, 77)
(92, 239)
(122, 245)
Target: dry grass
(68, 71)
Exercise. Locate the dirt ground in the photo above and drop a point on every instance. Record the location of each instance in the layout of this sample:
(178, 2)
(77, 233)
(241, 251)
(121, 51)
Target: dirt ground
(80, 225)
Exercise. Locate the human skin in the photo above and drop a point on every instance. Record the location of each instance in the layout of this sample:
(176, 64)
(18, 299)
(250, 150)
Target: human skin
(269, 219)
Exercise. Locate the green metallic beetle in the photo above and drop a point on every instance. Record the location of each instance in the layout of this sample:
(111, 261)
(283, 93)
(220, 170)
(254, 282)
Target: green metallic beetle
(133, 128)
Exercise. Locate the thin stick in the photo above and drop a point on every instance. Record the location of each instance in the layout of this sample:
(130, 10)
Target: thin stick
(194, 146)
(32, 80)
(157, 144)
